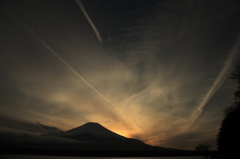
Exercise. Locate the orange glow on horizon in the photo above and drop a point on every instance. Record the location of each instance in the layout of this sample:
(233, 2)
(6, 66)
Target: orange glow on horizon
(151, 142)
(122, 133)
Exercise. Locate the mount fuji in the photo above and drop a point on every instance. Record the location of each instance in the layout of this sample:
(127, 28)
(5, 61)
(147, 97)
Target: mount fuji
(95, 135)
(97, 130)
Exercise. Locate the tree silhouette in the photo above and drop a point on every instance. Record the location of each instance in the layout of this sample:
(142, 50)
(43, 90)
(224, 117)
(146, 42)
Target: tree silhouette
(228, 138)
(203, 148)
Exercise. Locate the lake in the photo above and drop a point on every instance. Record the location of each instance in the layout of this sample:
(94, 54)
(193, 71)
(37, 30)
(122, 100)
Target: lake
(64, 157)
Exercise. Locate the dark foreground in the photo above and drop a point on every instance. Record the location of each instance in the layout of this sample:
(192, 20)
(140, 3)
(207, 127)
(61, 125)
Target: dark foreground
(100, 153)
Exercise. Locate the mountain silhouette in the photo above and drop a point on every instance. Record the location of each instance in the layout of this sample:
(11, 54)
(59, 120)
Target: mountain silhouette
(95, 135)
(96, 130)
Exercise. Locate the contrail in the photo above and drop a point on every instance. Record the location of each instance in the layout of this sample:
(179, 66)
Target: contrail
(217, 82)
(66, 64)
(89, 20)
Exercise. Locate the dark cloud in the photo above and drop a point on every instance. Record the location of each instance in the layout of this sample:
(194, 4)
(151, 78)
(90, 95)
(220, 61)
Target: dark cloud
(25, 139)
(48, 128)
(19, 124)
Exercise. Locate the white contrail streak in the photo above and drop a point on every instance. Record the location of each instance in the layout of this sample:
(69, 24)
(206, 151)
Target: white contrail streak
(66, 64)
(89, 20)
(218, 81)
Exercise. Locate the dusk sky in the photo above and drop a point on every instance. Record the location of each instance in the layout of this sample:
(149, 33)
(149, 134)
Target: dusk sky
(154, 70)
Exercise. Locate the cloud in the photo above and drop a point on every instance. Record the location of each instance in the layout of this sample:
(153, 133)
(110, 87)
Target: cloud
(48, 128)
(19, 125)
(14, 124)
(30, 140)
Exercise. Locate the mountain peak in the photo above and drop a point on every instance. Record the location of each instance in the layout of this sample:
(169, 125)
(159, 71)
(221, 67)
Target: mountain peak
(98, 135)
(92, 124)
(94, 128)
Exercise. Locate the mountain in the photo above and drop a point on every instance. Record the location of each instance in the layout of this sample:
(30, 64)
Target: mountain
(97, 136)
(96, 130)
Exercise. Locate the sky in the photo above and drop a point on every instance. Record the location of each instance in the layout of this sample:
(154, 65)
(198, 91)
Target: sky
(147, 69)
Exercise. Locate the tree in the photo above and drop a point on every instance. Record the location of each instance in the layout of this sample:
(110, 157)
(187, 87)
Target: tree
(228, 138)
(203, 148)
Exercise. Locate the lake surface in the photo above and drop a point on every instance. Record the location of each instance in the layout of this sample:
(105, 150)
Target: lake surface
(61, 157)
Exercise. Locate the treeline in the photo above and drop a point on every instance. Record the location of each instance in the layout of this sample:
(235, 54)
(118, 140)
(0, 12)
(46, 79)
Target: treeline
(228, 138)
